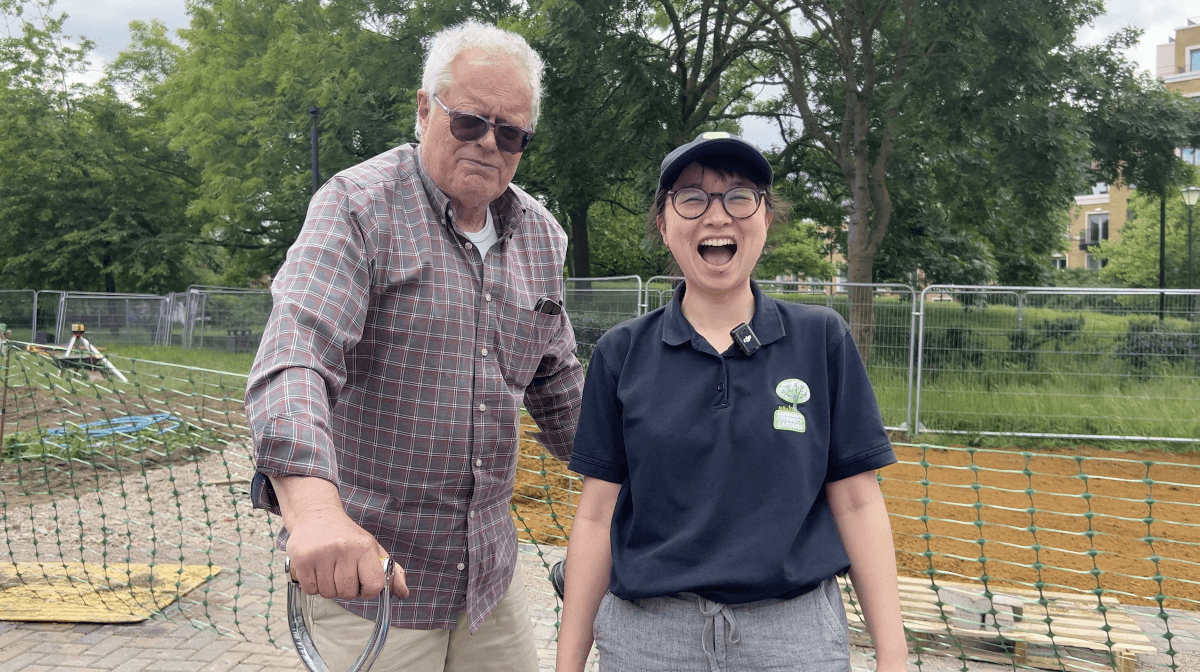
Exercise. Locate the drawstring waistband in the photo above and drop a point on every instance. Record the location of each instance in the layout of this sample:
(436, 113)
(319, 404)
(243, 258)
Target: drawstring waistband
(708, 641)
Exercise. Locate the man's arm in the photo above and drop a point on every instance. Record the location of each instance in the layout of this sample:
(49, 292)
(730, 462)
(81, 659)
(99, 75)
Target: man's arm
(320, 301)
(553, 397)
(330, 554)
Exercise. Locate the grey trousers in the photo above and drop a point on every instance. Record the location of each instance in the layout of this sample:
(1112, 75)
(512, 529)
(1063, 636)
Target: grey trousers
(687, 633)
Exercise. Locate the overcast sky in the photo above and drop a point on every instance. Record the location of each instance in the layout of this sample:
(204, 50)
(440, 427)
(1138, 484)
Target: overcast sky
(106, 22)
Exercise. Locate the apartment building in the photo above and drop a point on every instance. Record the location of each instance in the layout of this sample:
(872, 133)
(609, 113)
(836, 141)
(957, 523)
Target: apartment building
(1101, 214)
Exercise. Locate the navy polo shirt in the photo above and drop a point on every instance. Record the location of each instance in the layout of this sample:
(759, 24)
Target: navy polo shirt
(723, 458)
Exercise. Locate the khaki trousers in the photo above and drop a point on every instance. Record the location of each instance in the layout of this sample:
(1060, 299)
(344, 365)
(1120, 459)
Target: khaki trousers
(504, 643)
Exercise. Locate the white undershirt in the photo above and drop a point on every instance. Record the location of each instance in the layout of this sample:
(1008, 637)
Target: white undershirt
(485, 237)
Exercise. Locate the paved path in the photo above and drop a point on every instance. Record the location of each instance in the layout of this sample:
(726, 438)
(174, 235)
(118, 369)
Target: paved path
(174, 645)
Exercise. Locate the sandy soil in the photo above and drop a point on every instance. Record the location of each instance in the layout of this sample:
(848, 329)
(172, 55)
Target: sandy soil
(1013, 510)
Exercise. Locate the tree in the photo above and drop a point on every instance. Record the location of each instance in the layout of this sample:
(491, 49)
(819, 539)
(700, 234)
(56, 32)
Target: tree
(90, 196)
(600, 111)
(794, 248)
(960, 119)
(239, 106)
(1132, 260)
(627, 81)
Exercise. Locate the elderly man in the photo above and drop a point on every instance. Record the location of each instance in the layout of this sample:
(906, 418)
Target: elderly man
(418, 309)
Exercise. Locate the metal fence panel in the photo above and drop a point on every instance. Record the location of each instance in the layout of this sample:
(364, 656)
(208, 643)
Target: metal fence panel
(890, 361)
(126, 319)
(596, 305)
(47, 315)
(18, 310)
(225, 318)
(1078, 363)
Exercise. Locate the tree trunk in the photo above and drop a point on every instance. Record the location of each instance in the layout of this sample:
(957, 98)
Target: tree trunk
(580, 252)
(110, 282)
(862, 299)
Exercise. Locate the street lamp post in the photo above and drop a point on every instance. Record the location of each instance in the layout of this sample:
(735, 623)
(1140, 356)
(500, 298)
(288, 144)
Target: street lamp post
(1190, 196)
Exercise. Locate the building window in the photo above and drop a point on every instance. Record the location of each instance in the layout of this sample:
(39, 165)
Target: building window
(1194, 60)
(1189, 154)
(1099, 188)
(1097, 228)
(1060, 263)
(1093, 262)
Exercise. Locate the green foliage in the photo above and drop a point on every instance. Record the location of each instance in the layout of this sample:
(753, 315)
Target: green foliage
(1060, 330)
(1080, 277)
(74, 444)
(91, 197)
(794, 248)
(953, 349)
(1132, 261)
(589, 327)
(239, 106)
(1152, 343)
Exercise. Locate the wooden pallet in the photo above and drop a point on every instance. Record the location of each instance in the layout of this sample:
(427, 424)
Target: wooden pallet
(1078, 644)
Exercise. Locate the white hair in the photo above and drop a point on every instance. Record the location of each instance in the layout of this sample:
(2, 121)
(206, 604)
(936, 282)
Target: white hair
(494, 43)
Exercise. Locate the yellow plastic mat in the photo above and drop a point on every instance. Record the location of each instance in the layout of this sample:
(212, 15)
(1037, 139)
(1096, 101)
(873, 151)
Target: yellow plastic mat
(83, 592)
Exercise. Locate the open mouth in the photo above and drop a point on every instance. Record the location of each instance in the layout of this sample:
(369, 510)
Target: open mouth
(717, 251)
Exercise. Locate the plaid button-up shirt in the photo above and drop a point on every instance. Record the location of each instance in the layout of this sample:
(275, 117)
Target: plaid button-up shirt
(394, 365)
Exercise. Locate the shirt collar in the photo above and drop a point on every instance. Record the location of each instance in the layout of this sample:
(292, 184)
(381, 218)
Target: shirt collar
(766, 323)
(506, 209)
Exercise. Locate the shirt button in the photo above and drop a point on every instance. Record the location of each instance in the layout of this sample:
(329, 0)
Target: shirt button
(483, 407)
(469, 246)
(483, 352)
(479, 463)
(720, 387)
(487, 297)
(461, 566)
(471, 514)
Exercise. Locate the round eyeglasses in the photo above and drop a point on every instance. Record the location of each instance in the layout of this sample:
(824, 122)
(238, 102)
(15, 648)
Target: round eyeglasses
(469, 127)
(739, 202)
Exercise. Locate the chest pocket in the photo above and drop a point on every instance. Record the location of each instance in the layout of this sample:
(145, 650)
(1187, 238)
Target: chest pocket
(522, 340)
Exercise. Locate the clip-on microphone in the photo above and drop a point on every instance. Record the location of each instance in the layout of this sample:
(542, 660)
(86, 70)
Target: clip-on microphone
(744, 336)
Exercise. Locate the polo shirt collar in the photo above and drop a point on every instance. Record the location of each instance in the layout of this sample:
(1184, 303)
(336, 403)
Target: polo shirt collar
(506, 209)
(766, 323)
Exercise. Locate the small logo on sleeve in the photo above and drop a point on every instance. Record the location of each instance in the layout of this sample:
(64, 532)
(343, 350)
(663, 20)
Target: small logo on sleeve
(795, 392)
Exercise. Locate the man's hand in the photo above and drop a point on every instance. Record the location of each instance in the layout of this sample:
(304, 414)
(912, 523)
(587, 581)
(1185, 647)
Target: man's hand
(330, 554)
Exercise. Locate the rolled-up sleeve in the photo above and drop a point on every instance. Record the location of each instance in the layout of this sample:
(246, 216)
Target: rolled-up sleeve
(320, 298)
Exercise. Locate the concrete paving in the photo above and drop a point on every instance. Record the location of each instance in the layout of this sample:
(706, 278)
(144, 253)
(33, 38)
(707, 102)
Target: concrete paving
(173, 643)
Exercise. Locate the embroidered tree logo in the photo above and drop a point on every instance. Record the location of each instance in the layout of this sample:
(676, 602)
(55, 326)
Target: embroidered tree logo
(793, 391)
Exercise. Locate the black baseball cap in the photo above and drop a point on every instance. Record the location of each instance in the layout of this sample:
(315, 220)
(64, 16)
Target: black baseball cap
(733, 153)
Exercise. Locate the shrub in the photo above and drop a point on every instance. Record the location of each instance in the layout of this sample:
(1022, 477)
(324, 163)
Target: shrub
(1024, 346)
(1150, 341)
(953, 348)
(589, 327)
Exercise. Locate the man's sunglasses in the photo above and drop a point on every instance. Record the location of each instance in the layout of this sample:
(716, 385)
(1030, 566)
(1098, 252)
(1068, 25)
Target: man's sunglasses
(469, 127)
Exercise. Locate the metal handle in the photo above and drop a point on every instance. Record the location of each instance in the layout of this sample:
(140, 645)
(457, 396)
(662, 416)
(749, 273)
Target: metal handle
(304, 644)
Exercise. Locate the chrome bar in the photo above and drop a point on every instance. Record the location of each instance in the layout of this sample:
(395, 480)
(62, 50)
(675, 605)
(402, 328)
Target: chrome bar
(304, 644)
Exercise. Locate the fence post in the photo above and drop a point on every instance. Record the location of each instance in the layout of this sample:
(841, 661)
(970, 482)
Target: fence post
(912, 344)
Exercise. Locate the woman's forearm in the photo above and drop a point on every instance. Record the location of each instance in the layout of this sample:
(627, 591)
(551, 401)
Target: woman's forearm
(586, 575)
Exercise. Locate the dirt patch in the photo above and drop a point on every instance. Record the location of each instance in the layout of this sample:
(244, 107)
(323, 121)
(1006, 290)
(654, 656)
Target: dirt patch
(206, 424)
(1073, 519)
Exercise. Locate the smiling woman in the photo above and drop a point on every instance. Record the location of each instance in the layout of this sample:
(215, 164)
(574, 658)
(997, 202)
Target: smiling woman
(702, 492)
